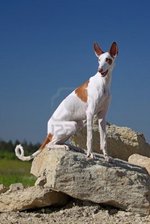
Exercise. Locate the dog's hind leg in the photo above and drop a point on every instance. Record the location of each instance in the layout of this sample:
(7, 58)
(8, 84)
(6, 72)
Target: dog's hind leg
(62, 131)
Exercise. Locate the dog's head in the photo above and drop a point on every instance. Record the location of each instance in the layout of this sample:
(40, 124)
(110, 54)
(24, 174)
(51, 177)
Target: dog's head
(106, 59)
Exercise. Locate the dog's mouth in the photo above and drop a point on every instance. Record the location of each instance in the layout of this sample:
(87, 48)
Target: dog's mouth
(103, 74)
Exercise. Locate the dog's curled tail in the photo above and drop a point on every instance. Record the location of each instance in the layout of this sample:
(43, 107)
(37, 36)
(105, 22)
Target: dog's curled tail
(19, 151)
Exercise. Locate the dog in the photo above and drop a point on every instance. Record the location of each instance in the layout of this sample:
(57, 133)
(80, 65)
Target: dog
(89, 99)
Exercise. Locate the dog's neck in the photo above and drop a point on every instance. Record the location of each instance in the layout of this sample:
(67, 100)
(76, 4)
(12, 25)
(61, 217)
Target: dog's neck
(107, 77)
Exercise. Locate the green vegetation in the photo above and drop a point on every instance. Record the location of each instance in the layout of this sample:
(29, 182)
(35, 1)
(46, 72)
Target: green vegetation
(13, 170)
(7, 148)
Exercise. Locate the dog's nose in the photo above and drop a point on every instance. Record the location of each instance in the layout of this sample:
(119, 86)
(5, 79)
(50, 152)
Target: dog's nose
(101, 70)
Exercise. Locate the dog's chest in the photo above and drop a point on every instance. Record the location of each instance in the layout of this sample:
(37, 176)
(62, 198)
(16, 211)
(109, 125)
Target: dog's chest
(98, 93)
(102, 99)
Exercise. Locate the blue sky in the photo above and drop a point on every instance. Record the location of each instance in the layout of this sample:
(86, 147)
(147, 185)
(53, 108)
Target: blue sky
(46, 50)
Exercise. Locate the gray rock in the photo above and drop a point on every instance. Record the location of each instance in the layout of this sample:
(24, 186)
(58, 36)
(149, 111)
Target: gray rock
(139, 160)
(122, 141)
(118, 183)
(16, 187)
(29, 198)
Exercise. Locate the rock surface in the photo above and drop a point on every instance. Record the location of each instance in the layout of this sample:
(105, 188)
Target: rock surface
(139, 160)
(32, 197)
(16, 187)
(122, 141)
(119, 183)
(74, 213)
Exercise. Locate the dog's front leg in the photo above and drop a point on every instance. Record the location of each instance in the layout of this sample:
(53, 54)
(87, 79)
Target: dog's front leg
(103, 140)
(89, 135)
(102, 131)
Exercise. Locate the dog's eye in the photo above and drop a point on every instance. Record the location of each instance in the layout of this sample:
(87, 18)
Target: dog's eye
(109, 61)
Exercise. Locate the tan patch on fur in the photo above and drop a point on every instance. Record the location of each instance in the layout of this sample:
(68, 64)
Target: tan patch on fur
(46, 141)
(81, 91)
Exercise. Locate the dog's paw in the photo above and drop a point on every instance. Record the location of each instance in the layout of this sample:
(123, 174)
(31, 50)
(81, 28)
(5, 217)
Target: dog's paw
(48, 148)
(89, 156)
(108, 158)
(51, 147)
(66, 147)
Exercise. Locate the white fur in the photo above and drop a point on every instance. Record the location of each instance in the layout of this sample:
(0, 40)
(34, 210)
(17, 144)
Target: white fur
(72, 112)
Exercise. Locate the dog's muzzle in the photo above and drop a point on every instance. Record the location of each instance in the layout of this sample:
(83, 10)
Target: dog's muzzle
(103, 74)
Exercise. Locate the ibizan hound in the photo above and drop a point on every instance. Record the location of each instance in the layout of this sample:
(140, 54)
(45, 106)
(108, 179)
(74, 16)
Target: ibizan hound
(89, 99)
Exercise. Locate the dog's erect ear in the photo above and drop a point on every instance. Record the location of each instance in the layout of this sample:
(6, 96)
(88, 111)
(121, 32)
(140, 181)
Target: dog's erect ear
(97, 49)
(114, 49)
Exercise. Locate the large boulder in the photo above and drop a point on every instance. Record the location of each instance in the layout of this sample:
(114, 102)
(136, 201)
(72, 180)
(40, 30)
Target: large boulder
(139, 160)
(118, 183)
(30, 198)
(122, 141)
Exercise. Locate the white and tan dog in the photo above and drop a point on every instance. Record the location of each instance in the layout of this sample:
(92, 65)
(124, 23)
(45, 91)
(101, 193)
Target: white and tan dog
(89, 99)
